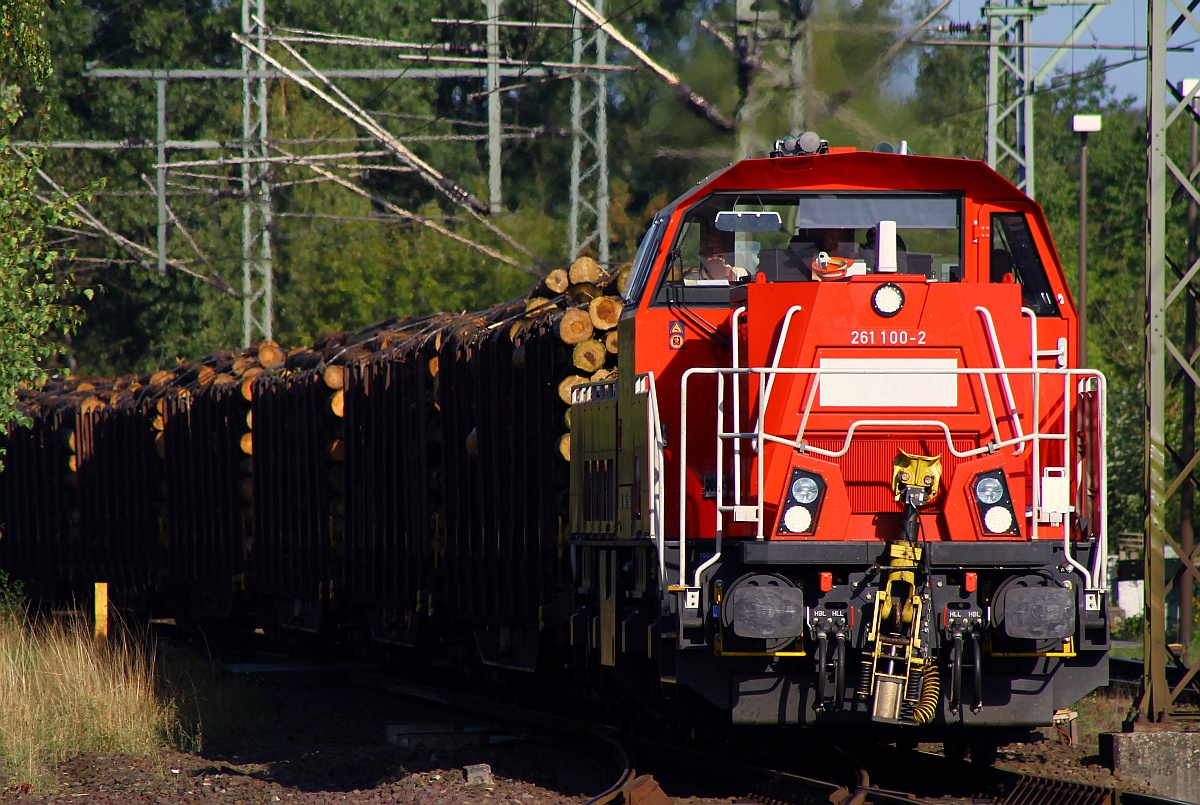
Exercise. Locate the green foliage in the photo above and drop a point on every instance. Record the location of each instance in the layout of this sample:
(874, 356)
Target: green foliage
(1130, 628)
(12, 598)
(34, 308)
(950, 110)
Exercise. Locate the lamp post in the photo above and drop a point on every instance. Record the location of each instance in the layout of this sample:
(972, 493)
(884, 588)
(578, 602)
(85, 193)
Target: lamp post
(1083, 125)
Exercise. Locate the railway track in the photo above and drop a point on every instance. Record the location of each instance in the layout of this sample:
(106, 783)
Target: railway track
(836, 777)
(953, 781)
(804, 773)
(611, 751)
(602, 747)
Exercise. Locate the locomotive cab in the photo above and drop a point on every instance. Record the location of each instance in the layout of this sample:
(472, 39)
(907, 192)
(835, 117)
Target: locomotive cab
(850, 469)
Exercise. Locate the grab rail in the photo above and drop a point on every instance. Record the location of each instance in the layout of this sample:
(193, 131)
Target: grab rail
(754, 430)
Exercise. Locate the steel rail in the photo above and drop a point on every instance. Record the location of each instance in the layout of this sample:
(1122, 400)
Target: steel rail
(619, 756)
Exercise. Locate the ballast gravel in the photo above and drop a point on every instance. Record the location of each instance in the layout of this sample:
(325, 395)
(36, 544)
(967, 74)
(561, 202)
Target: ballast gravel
(321, 741)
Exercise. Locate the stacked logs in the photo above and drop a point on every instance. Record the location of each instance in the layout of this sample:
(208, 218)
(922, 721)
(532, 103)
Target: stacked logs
(561, 334)
(581, 303)
(587, 326)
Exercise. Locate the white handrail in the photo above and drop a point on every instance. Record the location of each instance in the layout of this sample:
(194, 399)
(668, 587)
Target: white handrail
(990, 329)
(720, 520)
(737, 409)
(783, 334)
(766, 376)
(655, 465)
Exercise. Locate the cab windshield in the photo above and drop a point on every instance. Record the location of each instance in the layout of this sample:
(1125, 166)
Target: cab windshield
(801, 237)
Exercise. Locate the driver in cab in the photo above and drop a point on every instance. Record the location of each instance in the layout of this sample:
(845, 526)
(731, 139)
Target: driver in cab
(716, 261)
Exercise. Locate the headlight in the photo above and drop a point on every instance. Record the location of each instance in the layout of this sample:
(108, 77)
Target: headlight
(998, 520)
(800, 508)
(805, 490)
(797, 519)
(989, 490)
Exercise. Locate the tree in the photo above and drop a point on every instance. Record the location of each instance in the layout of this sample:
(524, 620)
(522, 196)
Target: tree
(34, 315)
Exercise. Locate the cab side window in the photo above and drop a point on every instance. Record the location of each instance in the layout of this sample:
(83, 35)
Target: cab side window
(643, 262)
(1015, 258)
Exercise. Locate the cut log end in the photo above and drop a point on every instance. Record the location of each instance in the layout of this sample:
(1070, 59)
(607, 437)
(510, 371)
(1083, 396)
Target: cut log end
(557, 281)
(564, 446)
(337, 404)
(575, 326)
(334, 376)
(569, 382)
(335, 451)
(583, 293)
(585, 269)
(605, 311)
(622, 279)
(588, 356)
(269, 354)
(610, 342)
(537, 305)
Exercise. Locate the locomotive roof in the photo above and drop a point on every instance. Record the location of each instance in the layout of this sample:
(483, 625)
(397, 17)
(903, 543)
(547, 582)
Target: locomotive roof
(856, 170)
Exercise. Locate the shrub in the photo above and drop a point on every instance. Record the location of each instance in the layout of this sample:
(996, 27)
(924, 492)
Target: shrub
(12, 598)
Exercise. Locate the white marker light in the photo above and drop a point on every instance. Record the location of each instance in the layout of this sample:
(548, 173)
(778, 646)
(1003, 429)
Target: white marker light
(888, 300)
(797, 519)
(998, 520)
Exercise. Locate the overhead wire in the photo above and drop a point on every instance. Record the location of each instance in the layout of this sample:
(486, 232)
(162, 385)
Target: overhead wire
(1057, 83)
(531, 42)
(347, 106)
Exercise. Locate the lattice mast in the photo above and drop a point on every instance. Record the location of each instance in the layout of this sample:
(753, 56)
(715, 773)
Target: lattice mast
(1171, 268)
(257, 273)
(588, 216)
(1012, 81)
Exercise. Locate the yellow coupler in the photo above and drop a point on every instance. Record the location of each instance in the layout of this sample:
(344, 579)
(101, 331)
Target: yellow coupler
(902, 684)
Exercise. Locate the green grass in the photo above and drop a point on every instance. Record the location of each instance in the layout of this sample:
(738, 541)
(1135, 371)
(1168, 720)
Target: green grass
(1102, 711)
(209, 701)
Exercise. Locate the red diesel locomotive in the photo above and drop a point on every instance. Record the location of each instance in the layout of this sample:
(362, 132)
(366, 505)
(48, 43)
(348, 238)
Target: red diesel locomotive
(850, 469)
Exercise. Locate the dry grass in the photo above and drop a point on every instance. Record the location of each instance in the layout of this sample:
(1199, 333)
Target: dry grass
(62, 695)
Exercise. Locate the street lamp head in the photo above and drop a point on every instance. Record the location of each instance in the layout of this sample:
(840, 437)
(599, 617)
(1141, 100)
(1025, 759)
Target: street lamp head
(1085, 124)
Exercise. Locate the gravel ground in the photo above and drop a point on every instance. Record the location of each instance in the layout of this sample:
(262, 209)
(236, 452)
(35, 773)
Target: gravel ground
(318, 741)
(315, 740)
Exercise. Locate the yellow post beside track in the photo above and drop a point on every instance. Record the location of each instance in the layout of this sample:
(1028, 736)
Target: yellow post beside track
(101, 629)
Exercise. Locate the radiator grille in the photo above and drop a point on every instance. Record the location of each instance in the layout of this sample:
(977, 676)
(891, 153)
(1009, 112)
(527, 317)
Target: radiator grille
(867, 467)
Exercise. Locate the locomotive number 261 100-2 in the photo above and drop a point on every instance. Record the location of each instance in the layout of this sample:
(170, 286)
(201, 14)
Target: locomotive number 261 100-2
(887, 338)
